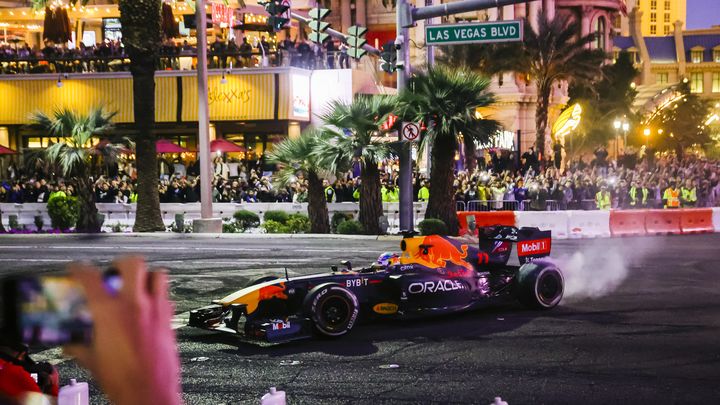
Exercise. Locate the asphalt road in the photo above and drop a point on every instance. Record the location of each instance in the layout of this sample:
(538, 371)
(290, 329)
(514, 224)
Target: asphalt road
(641, 325)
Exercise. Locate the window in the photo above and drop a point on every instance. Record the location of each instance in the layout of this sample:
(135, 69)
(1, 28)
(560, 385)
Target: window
(696, 56)
(662, 78)
(653, 17)
(696, 82)
(667, 5)
(716, 55)
(653, 30)
(666, 18)
(653, 4)
(600, 30)
(666, 30)
(716, 82)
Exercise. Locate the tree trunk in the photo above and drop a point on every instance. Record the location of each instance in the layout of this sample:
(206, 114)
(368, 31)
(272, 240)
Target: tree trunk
(371, 208)
(317, 205)
(88, 222)
(2, 228)
(147, 217)
(541, 119)
(441, 204)
(469, 150)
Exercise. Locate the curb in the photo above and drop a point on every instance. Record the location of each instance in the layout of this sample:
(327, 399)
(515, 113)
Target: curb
(185, 236)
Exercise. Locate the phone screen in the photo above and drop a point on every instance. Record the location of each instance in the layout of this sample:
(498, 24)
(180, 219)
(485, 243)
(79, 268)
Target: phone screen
(52, 310)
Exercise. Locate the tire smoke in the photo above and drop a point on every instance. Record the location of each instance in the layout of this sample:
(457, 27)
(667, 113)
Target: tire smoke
(592, 273)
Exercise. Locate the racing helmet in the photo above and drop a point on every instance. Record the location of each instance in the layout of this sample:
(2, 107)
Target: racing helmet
(387, 259)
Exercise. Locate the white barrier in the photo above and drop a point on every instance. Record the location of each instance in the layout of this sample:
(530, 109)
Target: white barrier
(588, 224)
(124, 214)
(555, 221)
(716, 218)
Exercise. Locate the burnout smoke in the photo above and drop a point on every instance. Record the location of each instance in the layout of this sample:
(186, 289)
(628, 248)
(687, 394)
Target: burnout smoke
(592, 273)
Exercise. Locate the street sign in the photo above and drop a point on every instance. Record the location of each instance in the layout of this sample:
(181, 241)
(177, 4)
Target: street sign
(468, 33)
(410, 131)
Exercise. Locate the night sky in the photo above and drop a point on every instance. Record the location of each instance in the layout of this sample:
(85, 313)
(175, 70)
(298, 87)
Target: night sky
(703, 13)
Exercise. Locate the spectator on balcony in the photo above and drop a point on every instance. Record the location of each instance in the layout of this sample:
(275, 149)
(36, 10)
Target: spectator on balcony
(344, 58)
(330, 53)
(245, 53)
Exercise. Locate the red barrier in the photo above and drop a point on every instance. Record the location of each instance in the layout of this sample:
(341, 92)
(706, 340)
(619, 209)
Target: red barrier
(663, 222)
(627, 223)
(696, 220)
(485, 218)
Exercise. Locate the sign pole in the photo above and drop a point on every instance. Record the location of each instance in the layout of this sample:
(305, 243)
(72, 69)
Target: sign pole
(206, 223)
(406, 164)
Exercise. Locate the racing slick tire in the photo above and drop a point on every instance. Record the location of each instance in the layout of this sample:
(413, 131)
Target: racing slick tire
(332, 308)
(539, 285)
(260, 280)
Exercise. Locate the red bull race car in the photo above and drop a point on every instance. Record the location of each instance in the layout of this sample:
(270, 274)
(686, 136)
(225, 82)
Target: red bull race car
(432, 275)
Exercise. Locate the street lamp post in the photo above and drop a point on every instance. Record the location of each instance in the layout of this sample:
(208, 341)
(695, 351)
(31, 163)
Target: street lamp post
(626, 128)
(617, 124)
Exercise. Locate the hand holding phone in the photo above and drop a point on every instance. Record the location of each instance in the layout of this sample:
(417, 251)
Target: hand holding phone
(133, 352)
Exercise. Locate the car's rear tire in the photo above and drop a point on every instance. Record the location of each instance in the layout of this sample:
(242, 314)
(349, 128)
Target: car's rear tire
(332, 308)
(540, 285)
(260, 280)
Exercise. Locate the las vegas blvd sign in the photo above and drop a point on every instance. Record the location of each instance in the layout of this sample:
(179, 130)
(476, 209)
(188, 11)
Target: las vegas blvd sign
(467, 33)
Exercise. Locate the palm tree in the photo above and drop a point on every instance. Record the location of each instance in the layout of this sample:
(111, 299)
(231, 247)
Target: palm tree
(446, 99)
(142, 36)
(71, 154)
(554, 52)
(296, 155)
(361, 119)
(141, 23)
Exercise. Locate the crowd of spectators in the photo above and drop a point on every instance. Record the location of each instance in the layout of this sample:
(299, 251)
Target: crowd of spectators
(110, 55)
(494, 185)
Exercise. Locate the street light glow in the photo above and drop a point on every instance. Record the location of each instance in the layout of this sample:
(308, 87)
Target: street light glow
(617, 124)
(646, 131)
(626, 126)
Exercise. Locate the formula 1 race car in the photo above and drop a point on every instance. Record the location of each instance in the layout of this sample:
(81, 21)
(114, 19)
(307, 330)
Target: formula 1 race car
(433, 275)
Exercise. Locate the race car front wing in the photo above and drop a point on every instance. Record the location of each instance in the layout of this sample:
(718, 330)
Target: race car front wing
(233, 319)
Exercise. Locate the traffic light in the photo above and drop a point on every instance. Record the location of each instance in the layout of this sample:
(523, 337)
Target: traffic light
(388, 57)
(318, 26)
(356, 40)
(277, 10)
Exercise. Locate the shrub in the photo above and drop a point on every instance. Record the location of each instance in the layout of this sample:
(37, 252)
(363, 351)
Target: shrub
(246, 219)
(63, 211)
(432, 226)
(350, 227)
(277, 216)
(39, 222)
(338, 218)
(271, 226)
(298, 223)
(118, 227)
(13, 223)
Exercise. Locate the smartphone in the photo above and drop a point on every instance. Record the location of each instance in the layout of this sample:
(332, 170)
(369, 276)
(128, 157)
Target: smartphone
(49, 310)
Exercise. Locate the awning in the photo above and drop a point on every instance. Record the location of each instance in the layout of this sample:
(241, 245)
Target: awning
(6, 151)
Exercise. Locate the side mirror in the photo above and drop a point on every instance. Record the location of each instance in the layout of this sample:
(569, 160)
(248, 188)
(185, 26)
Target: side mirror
(347, 264)
(334, 269)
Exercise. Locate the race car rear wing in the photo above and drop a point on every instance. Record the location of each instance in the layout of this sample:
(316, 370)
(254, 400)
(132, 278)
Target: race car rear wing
(495, 241)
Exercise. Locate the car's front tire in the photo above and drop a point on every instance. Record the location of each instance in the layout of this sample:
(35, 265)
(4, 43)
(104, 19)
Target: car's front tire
(540, 285)
(332, 308)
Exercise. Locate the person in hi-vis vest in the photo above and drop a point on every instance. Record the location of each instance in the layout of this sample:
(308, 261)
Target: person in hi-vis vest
(602, 198)
(671, 196)
(329, 191)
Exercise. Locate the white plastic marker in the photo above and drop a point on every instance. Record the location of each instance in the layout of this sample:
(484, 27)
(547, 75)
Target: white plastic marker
(74, 394)
(274, 397)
